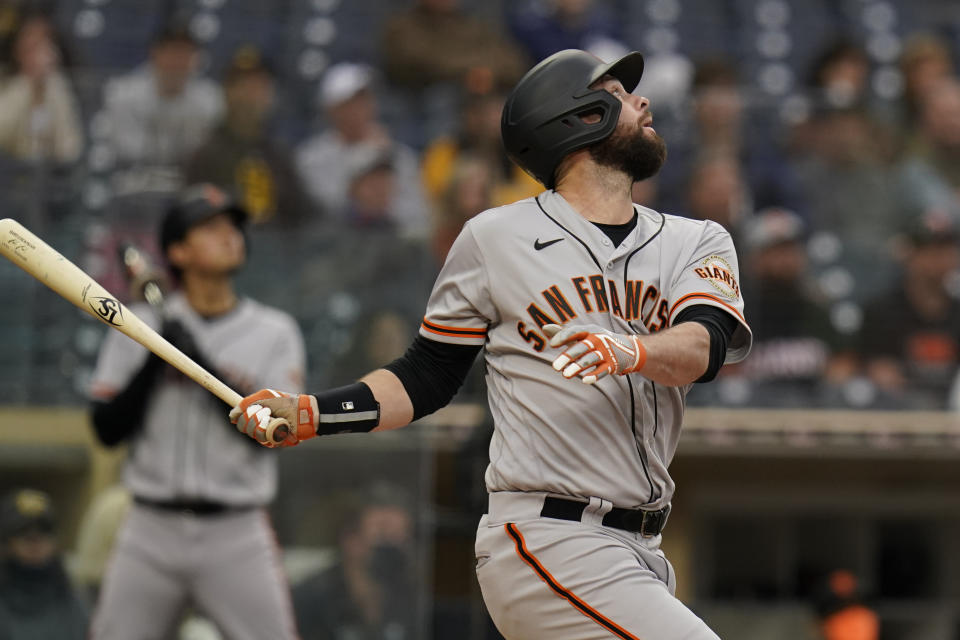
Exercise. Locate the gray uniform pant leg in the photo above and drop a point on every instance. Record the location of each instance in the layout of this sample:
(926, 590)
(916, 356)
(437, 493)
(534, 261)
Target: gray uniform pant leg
(227, 566)
(546, 578)
(145, 589)
(242, 586)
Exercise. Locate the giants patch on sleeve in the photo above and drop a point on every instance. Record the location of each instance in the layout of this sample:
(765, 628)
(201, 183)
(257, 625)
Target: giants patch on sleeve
(718, 272)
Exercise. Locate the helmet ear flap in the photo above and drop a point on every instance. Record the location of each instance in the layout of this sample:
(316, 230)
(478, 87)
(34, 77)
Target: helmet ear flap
(586, 124)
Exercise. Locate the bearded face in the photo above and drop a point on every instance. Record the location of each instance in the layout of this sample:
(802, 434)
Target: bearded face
(634, 149)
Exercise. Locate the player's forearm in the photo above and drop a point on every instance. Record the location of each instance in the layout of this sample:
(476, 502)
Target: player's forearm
(678, 355)
(396, 409)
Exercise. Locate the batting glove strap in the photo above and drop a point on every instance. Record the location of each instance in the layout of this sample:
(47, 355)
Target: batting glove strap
(593, 352)
(349, 409)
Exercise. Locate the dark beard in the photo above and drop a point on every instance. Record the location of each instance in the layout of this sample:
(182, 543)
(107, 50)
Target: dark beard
(632, 152)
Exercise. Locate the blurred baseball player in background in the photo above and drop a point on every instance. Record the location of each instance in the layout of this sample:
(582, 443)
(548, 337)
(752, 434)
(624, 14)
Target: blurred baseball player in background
(197, 534)
(596, 315)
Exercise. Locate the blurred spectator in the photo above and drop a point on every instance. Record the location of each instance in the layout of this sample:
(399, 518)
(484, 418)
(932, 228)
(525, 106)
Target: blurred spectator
(930, 173)
(370, 593)
(160, 113)
(371, 190)
(840, 75)
(468, 193)
(240, 155)
(348, 99)
(39, 117)
(910, 343)
(842, 612)
(435, 42)
(717, 191)
(925, 61)
(479, 137)
(848, 178)
(719, 124)
(543, 27)
(795, 346)
(382, 334)
(37, 601)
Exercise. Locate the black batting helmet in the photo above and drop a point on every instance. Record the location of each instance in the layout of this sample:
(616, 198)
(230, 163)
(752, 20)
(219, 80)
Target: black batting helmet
(541, 121)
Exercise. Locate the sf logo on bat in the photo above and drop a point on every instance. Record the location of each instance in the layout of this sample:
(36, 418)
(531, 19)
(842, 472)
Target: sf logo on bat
(107, 309)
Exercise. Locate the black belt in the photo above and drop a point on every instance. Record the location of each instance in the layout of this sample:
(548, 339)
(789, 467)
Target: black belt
(646, 523)
(192, 507)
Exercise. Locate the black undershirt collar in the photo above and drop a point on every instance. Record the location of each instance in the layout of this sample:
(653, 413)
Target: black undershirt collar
(618, 232)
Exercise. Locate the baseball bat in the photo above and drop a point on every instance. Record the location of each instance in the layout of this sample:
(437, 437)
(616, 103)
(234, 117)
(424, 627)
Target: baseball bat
(41, 261)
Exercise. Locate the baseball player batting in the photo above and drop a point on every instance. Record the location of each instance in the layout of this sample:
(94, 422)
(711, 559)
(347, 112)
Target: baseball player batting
(595, 317)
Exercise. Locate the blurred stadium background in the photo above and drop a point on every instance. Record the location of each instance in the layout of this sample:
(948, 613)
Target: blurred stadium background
(825, 134)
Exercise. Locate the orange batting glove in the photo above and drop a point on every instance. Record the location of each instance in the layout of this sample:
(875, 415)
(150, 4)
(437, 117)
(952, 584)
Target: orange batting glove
(595, 351)
(253, 414)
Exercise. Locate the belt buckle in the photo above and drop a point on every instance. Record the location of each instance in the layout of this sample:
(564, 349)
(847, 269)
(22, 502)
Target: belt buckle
(653, 522)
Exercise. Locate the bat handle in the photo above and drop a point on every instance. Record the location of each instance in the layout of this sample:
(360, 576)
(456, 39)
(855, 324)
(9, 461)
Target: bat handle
(277, 430)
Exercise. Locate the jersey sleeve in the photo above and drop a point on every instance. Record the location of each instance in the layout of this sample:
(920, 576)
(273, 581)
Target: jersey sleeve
(711, 276)
(119, 360)
(286, 368)
(460, 308)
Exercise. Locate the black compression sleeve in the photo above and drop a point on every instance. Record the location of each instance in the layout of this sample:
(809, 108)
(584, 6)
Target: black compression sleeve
(117, 419)
(720, 325)
(432, 372)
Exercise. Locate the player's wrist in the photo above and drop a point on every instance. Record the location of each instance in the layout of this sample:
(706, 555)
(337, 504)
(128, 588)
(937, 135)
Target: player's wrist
(348, 409)
(640, 355)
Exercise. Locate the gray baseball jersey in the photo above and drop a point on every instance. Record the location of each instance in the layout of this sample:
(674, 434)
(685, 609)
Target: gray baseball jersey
(186, 449)
(516, 268)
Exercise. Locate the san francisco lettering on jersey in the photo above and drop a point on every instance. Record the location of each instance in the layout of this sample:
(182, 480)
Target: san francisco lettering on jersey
(594, 294)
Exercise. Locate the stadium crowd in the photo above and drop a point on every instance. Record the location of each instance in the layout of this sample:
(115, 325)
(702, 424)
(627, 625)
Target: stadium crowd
(839, 180)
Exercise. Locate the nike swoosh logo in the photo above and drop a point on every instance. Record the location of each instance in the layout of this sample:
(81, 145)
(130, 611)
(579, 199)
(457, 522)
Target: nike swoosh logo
(543, 245)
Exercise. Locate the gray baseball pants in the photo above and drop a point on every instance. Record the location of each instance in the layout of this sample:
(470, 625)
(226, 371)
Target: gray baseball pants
(567, 580)
(226, 566)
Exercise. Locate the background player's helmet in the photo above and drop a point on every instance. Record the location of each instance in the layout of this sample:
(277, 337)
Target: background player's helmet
(541, 121)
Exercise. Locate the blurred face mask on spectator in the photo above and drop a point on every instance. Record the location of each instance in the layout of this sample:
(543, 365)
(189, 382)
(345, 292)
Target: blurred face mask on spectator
(173, 64)
(381, 543)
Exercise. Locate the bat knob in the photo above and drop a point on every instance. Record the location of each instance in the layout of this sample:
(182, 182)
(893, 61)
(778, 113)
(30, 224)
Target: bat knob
(278, 430)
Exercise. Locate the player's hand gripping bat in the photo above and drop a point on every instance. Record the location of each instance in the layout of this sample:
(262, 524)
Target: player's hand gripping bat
(37, 258)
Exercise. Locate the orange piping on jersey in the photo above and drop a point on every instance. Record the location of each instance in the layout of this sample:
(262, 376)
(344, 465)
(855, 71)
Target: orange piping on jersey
(709, 297)
(454, 332)
(562, 591)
